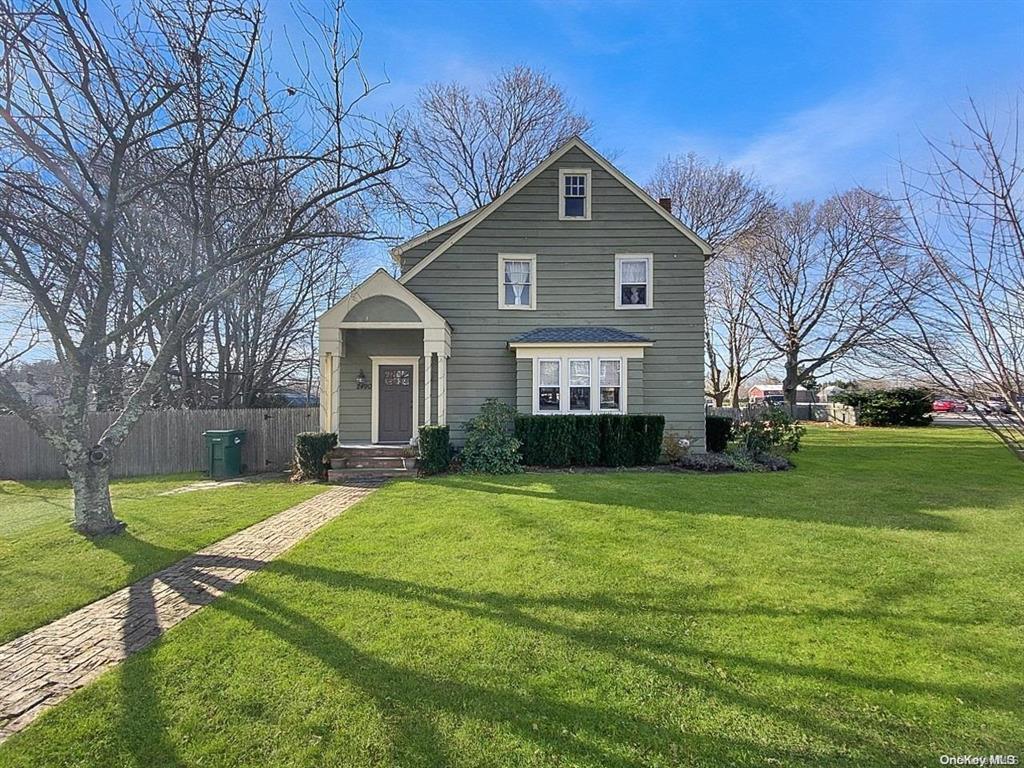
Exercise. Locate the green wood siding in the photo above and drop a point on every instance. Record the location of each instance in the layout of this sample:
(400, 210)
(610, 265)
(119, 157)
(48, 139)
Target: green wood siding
(575, 286)
(360, 345)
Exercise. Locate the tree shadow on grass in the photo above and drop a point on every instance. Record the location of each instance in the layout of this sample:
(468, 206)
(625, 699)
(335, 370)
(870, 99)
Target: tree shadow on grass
(154, 606)
(412, 699)
(698, 494)
(594, 734)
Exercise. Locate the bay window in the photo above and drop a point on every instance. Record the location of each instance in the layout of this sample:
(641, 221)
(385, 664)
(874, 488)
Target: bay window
(574, 384)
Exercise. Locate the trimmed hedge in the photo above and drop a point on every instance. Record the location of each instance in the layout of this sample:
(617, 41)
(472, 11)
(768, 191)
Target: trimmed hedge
(602, 440)
(435, 449)
(898, 407)
(717, 432)
(311, 449)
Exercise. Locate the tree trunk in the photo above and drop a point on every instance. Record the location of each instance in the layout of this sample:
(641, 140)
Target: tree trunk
(90, 482)
(734, 393)
(792, 380)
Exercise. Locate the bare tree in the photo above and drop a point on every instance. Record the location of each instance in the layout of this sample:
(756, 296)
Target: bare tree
(735, 348)
(964, 311)
(723, 205)
(729, 209)
(124, 150)
(821, 295)
(467, 148)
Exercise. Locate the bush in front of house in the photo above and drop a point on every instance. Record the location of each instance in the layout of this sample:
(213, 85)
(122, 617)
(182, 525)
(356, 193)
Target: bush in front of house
(311, 449)
(604, 440)
(559, 441)
(717, 432)
(897, 407)
(491, 447)
(732, 462)
(674, 446)
(770, 433)
(435, 449)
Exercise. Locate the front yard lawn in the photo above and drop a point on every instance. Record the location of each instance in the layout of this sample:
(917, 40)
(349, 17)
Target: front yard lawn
(865, 609)
(48, 570)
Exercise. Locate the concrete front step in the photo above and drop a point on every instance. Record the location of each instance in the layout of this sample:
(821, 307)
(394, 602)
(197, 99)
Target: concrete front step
(365, 451)
(372, 462)
(358, 475)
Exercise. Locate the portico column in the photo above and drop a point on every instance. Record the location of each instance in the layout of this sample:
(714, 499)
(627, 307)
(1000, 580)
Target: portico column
(442, 389)
(336, 394)
(326, 388)
(428, 358)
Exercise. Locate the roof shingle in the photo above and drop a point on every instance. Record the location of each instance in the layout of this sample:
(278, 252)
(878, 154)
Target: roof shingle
(578, 334)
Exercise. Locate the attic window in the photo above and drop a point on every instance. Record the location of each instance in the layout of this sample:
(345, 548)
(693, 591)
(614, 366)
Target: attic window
(574, 194)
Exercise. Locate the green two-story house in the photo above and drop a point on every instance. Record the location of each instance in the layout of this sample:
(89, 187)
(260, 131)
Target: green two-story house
(573, 292)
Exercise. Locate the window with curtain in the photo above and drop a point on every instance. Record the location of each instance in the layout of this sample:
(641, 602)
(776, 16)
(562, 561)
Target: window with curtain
(579, 385)
(549, 385)
(634, 282)
(611, 385)
(517, 281)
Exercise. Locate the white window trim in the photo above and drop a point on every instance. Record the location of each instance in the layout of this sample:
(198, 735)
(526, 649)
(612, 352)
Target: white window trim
(569, 384)
(562, 173)
(595, 384)
(596, 387)
(530, 257)
(376, 362)
(536, 384)
(621, 257)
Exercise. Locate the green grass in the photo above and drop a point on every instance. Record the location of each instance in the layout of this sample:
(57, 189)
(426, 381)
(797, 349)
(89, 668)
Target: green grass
(47, 570)
(865, 609)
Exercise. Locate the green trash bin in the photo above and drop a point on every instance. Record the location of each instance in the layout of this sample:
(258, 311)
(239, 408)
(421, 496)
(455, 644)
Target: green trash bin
(224, 452)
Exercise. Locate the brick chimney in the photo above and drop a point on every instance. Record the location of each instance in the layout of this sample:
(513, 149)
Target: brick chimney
(666, 203)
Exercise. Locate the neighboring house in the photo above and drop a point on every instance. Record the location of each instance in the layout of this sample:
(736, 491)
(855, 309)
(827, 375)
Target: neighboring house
(760, 393)
(573, 292)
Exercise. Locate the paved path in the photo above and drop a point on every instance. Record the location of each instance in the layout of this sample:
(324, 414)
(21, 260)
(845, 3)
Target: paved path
(44, 667)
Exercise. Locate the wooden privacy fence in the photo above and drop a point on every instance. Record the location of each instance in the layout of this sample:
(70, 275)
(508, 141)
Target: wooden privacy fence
(833, 413)
(163, 442)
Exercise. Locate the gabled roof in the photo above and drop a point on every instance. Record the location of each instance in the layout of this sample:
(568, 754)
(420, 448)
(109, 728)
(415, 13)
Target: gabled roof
(578, 334)
(380, 283)
(474, 218)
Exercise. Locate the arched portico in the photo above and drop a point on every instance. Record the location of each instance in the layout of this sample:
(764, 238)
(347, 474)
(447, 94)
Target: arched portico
(367, 341)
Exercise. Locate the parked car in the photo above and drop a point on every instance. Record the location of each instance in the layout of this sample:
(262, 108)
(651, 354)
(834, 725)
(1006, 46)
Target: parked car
(995, 405)
(948, 405)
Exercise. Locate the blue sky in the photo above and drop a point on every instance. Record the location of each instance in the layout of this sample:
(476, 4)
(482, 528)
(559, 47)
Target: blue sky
(813, 97)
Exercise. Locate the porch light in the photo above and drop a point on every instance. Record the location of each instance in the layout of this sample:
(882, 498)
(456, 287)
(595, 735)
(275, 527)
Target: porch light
(361, 381)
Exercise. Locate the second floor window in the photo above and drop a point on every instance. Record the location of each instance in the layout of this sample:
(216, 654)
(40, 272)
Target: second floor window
(574, 193)
(517, 282)
(633, 289)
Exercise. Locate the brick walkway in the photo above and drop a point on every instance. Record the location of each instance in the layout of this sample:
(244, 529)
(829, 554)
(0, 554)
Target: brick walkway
(44, 667)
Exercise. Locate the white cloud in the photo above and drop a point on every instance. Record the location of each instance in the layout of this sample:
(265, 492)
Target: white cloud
(847, 140)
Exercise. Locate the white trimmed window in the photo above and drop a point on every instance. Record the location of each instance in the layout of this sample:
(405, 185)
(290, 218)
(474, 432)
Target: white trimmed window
(574, 194)
(549, 386)
(634, 281)
(517, 281)
(611, 385)
(574, 384)
(579, 385)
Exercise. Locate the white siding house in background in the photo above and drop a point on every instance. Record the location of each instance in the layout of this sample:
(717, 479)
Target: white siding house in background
(758, 393)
